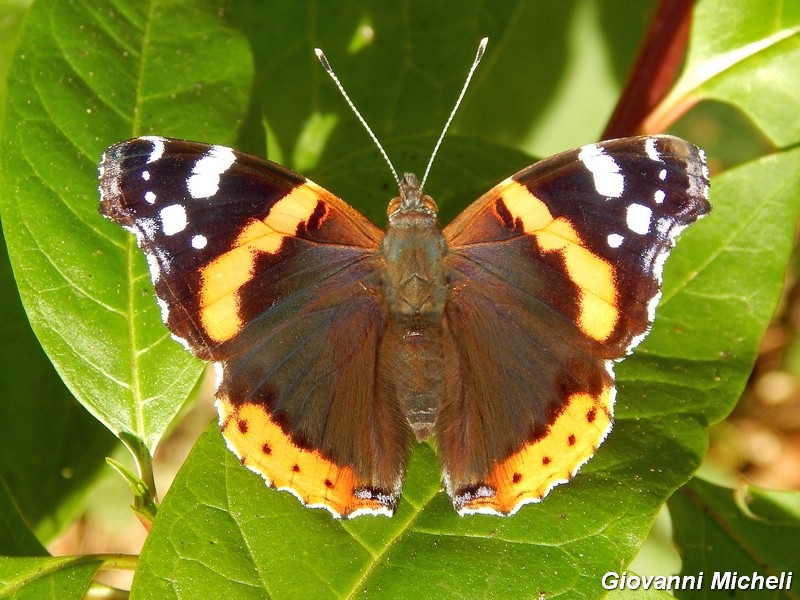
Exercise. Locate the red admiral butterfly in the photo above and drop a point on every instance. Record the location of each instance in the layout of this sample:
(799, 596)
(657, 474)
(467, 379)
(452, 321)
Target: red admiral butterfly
(337, 344)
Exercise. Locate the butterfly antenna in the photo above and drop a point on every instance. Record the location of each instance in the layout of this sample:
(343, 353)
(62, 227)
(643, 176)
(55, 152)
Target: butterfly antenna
(478, 57)
(327, 66)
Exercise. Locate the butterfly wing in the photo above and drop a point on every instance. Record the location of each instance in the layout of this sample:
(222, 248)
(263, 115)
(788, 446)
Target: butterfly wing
(271, 277)
(555, 274)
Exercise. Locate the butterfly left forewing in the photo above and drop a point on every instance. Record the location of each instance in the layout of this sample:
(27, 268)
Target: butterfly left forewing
(556, 274)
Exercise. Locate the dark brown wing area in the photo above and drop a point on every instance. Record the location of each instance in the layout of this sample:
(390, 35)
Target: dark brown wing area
(555, 274)
(269, 275)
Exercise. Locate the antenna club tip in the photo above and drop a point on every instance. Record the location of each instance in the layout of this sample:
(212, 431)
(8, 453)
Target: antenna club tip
(483, 42)
(324, 60)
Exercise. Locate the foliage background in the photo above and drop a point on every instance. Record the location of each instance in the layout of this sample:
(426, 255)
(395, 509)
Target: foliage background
(88, 74)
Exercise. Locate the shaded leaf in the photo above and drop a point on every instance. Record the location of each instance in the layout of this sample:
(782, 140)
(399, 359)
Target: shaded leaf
(16, 539)
(718, 534)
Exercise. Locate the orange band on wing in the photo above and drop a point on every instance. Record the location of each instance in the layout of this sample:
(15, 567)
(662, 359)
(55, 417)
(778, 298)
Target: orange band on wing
(223, 278)
(263, 447)
(530, 473)
(593, 275)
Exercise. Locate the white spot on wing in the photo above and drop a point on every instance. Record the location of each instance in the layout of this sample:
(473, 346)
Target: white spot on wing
(638, 218)
(651, 150)
(164, 309)
(150, 197)
(158, 148)
(204, 181)
(181, 341)
(659, 196)
(199, 242)
(154, 267)
(615, 240)
(662, 175)
(146, 175)
(173, 219)
(219, 373)
(698, 178)
(608, 180)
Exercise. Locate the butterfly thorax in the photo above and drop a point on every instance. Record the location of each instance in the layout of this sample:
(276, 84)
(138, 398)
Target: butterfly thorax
(414, 278)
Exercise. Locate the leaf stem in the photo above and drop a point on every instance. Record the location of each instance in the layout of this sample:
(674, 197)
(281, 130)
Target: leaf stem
(145, 499)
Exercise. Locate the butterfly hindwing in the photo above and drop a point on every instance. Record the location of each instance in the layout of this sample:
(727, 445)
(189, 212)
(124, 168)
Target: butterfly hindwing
(556, 273)
(272, 277)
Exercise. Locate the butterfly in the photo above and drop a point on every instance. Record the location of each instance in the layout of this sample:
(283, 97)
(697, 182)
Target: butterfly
(337, 344)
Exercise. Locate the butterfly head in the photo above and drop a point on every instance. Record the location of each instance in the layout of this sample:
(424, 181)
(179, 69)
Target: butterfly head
(411, 200)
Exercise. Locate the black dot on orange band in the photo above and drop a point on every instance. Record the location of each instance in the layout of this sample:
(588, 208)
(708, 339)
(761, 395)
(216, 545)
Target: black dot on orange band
(571, 440)
(328, 483)
(546, 460)
(591, 415)
(266, 449)
(296, 468)
(242, 425)
(517, 477)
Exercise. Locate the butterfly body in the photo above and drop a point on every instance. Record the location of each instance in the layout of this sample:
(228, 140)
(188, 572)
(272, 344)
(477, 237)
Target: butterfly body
(415, 291)
(337, 344)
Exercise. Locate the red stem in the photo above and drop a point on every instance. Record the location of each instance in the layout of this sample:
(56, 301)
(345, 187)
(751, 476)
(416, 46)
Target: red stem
(656, 67)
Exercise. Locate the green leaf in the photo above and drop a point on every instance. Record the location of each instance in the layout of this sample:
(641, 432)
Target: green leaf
(40, 578)
(27, 571)
(89, 74)
(718, 532)
(746, 54)
(721, 287)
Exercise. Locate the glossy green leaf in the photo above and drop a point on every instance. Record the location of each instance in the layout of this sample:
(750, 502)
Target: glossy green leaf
(719, 531)
(747, 54)
(89, 74)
